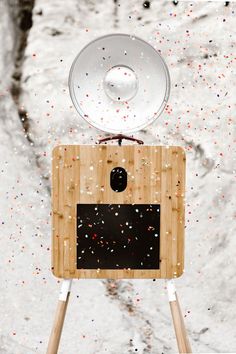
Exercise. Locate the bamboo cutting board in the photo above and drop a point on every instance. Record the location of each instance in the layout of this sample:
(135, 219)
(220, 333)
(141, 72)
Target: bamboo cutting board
(81, 191)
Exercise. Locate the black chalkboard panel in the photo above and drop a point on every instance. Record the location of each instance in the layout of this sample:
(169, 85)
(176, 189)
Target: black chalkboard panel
(118, 236)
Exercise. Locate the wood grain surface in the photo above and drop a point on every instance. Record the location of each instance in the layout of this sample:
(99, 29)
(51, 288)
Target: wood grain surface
(81, 174)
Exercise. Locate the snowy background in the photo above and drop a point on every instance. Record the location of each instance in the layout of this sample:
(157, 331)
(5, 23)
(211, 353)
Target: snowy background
(39, 40)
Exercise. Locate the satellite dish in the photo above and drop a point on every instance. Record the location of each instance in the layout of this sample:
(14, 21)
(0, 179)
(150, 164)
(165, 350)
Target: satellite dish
(119, 83)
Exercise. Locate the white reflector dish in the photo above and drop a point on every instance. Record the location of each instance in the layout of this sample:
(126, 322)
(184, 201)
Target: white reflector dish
(119, 83)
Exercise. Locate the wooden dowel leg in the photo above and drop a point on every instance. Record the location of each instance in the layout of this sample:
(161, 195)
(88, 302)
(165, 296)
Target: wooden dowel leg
(187, 343)
(55, 336)
(180, 330)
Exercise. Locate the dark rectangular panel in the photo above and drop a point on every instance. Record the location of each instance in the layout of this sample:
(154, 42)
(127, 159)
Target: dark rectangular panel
(118, 236)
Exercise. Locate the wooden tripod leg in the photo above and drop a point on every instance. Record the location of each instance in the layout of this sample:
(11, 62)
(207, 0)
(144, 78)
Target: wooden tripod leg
(59, 317)
(180, 331)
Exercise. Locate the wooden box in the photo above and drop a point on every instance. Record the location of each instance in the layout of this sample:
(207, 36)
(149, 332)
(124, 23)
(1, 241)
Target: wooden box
(150, 244)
